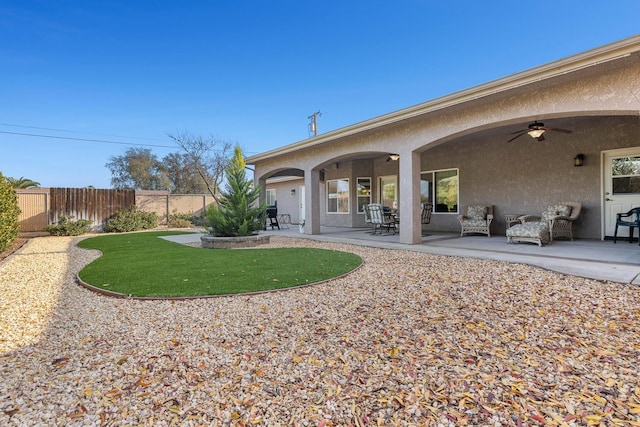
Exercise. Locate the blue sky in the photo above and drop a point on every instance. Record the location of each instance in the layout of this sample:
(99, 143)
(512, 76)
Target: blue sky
(251, 72)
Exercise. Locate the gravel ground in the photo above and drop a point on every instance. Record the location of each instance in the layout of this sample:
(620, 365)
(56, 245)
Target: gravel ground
(14, 246)
(408, 339)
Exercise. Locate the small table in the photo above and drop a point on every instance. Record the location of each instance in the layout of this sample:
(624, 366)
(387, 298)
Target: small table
(392, 221)
(511, 218)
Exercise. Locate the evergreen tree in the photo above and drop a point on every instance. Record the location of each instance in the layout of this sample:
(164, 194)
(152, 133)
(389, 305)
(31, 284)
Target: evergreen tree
(237, 212)
(138, 168)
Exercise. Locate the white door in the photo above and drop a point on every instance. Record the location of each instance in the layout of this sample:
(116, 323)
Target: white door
(621, 186)
(301, 214)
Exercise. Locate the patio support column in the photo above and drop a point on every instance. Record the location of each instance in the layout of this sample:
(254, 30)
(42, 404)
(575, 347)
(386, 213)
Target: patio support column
(263, 189)
(409, 171)
(311, 202)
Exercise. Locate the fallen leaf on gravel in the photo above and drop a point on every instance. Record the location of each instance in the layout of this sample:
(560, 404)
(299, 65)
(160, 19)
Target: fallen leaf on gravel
(11, 412)
(61, 361)
(408, 339)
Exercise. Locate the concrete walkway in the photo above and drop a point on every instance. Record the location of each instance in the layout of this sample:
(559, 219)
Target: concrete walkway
(593, 259)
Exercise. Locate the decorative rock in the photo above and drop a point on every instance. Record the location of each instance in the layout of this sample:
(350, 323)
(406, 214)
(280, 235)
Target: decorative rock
(409, 338)
(214, 242)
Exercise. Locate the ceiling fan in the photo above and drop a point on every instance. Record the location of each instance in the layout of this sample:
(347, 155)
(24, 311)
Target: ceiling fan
(393, 157)
(536, 130)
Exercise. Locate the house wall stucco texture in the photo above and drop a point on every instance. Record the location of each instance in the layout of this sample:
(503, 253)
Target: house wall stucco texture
(525, 176)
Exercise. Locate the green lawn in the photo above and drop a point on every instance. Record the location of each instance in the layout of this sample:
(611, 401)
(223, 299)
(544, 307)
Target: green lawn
(144, 265)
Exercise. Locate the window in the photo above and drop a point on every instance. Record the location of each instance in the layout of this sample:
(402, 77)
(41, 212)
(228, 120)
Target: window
(364, 193)
(441, 189)
(338, 196)
(625, 173)
(388, 193)
(271, 196)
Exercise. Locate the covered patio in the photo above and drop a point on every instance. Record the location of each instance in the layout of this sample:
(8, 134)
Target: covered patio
(589, 258)
(459, 150)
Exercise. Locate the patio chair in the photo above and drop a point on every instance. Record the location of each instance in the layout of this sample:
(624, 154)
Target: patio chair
(560, 218)
(629, 219)
(556, 221)
(367, 216)
(379, 220)
(477, 219)
(425, 216)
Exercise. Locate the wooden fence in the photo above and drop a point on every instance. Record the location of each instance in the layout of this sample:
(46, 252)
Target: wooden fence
(88, 203)
(43, 206)
(34, 209)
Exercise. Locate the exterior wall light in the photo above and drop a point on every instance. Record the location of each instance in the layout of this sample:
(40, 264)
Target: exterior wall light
(578, 160)
(293, 191)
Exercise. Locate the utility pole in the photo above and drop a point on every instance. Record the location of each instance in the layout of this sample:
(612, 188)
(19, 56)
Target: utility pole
(313, 125)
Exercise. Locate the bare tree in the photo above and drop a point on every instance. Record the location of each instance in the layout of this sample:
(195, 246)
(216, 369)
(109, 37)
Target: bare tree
(209, 156)
(183, 176)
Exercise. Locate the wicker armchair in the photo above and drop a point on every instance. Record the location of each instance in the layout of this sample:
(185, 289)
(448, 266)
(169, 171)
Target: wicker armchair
(477, 219)
(560, 218)
(556, 221)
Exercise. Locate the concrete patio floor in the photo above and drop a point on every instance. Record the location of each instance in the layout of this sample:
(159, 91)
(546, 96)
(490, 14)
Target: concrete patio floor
(593, 259)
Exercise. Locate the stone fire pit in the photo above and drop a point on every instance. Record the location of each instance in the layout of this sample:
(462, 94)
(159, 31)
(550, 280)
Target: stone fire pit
(214, 242)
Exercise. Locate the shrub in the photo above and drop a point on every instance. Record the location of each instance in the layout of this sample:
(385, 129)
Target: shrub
(66, 226)
(178, 220)
(199, 220)
(131, 220)
(9, 212)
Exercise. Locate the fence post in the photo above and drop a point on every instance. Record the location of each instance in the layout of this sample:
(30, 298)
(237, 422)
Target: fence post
(167, 210)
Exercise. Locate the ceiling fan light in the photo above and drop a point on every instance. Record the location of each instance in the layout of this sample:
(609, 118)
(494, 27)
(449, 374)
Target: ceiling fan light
(394, 157)
(536, 133)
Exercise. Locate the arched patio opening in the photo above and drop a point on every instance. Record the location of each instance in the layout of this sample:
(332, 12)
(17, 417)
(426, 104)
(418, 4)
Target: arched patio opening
(465, 141)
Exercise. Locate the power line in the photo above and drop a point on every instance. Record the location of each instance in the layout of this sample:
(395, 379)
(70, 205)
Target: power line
(89, 140)
(75, 131)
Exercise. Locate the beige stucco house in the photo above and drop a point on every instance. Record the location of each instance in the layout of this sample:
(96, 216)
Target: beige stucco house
(454, 151)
